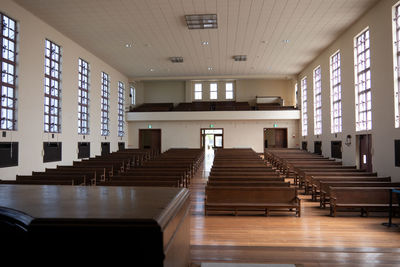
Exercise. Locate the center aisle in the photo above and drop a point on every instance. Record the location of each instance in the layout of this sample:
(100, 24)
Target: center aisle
(315, 239)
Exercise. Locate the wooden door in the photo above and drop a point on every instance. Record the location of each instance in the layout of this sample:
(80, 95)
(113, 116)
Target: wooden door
(105, 148)
(281, 138)
(150, 139)
(365, 156)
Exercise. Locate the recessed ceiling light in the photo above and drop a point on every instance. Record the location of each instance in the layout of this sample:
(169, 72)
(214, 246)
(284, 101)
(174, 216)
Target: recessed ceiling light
(203, 21)
(128, 45)
(204, 43)
(210, 68)
(176, 59)
(240, 58)
(151, 69)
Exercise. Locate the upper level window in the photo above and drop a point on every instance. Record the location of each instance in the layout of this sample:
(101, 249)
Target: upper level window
(396, 28)
(105, 103)
(213, 91)
(317, 102)
(83, 97)
(336, 93)
(133, 95)
(198, 91)
(121, 101)
(296, 94)
(229, 91)
(8, 41)
(52, 88)
(362, 80)
(304, 121)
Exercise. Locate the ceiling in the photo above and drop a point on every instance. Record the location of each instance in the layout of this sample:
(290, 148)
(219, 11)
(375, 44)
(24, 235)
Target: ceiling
(279, 37)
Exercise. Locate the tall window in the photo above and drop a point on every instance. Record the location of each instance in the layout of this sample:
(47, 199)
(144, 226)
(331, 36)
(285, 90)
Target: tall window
(304, 121)
(317, 102)
(8, 39)
(213, 91)
(83, 97)
(362, 79)
(121, 101)
(198, 91)
(229, 91)
(296, 95)
(52, 88)
(133, 95)
(336, 94)
(396, 24)
(105, 107)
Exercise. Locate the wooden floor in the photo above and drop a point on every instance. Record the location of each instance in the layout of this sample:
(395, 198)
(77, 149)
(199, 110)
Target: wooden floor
(315, 239)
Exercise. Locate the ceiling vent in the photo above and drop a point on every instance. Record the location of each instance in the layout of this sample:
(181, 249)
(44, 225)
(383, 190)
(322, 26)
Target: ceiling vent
(240, 58)
(205, 21)
(176, 59)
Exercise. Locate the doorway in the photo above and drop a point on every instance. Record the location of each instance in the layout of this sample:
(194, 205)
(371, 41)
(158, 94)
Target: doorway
(150, 139)
(211, 139)
(365, 152)
(275, 138)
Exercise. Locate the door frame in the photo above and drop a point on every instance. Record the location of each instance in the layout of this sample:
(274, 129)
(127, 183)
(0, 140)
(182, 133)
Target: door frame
(146, 129)
(369, 148)
(202, 137)
(287, 137)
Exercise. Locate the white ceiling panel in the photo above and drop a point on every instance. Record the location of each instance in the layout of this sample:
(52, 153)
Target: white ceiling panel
(157, 31)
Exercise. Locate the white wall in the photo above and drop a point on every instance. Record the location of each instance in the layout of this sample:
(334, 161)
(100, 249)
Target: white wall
(30, 70)
(239, 133)
(244, 90)
(379, 21)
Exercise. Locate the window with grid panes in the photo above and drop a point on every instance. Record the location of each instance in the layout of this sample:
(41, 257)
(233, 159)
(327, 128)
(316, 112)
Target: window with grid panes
(52, 88)
(121, 101)
(198, 91)
(304, 117)
(105, 104)
(396, 22)
(8, 42)
(336, 94)
(213, 91)
(229, 91)
(83, 97)
(362, 79)
(317, 102)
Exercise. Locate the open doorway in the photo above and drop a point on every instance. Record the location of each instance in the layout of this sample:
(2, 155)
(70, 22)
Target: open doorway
(211, 139)
(275, 138)
(150, 139)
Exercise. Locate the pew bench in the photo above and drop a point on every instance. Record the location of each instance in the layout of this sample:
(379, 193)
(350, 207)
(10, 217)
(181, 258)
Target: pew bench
(365, 199)
(265, 199)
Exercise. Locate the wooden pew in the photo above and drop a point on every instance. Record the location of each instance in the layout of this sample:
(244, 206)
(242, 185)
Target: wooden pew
(234, 199)
(326, 186)
(365, 199)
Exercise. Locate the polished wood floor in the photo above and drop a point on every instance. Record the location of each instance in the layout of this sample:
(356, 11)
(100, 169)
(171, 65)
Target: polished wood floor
(315, 239)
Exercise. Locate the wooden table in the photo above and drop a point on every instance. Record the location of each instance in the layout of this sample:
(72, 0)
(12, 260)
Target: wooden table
(126, 224)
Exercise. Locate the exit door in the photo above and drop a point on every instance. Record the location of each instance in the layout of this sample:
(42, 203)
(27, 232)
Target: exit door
(365, 152)
(211, 138)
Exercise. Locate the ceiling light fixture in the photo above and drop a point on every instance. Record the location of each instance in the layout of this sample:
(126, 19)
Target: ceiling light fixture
(210, 68)
(202, 21)
(204, 43)
(128, 45)
(151, 70)
(286, 41)
(176, 59)
(240, 58)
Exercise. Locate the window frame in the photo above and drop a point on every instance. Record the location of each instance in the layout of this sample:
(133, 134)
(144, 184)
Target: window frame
(133, 95)
(213, 91)
(52, 87)
(362, 81)
(396, 63)
(336, 93)
(304, 115)
(8, 70)
(121, 112)
(83, 96)
(229, 91)
(317, 90)
(105, 104)
(198, 92)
